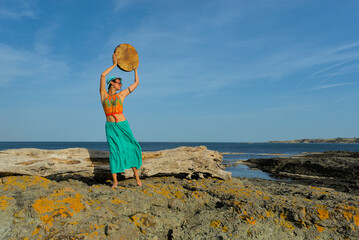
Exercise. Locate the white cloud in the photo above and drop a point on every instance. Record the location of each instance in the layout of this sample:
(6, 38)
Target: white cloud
(331, 86)
(45, 36)
(344, 70)
(278, 66)
(329, 68)
(16, 9)
(120, 5)
(31, 66)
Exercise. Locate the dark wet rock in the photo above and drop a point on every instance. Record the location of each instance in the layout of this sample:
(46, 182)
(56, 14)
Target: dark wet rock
(334, 169)
(331, 140)
(227, 165)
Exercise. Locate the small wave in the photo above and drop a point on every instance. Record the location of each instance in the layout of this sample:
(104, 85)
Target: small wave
(271, 154)
(234, 153)
(259, 154)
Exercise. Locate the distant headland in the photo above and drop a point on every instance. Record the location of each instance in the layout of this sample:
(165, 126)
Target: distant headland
(330, 140)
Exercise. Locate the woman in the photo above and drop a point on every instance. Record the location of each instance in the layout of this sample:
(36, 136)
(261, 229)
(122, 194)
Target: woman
(125, 152)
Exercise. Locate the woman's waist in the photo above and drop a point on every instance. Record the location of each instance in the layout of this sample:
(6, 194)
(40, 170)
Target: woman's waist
(118, 117)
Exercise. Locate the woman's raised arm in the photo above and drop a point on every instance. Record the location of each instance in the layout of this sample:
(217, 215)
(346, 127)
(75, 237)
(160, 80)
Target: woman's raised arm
(103, 89)
(131, 88)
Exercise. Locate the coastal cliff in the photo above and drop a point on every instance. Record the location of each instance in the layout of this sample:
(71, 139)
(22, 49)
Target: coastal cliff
(331, 140)
(173, 207)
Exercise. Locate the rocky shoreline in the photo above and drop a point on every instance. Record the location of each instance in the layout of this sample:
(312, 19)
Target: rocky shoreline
(176, 207)
(334, 169)
(330, 140)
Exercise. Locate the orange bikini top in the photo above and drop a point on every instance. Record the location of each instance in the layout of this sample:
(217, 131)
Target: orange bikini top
(112, 105)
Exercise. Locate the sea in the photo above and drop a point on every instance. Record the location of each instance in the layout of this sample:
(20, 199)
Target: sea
(233, 153)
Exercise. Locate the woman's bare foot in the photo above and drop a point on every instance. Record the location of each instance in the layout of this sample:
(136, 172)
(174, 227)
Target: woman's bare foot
(114, 186)
(136, 176)
(114, 177)
(139, 183)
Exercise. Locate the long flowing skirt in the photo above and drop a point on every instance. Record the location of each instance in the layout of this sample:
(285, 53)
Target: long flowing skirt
(125, 152)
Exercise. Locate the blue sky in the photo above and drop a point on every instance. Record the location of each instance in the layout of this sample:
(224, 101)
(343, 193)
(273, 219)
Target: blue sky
(226, 71)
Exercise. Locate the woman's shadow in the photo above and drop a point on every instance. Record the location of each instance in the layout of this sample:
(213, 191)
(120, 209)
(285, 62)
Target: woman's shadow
(96, 172)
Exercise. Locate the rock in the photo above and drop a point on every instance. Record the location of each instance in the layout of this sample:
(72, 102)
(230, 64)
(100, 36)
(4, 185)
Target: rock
(334, 169)
(331, 140)
(189, 161)
(121, 230)
(168, 207)
(34, 207)
(183, 161)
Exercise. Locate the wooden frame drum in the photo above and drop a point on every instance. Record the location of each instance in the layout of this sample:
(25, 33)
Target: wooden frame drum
(127, 57)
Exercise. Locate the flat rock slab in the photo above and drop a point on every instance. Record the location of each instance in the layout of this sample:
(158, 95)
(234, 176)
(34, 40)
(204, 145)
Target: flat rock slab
(183, 161)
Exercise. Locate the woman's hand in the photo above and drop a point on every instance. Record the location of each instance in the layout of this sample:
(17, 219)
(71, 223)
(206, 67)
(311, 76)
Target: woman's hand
(114, 59)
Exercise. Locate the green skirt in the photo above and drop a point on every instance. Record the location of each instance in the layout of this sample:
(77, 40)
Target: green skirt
(125, 152)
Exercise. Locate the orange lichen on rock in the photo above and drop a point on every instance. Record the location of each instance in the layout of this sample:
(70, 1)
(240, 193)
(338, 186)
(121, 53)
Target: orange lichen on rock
(203, 183)
(136, 220)
(23, 182)
(36, 231)
(269, 213)
(249, 220)
(179, 194)
(57, 205)
(319, 228)
(143, 221)
(4, 202)
(161, 190)
(348, 215)
(92, 235)
(285, 223)
(92, 201)
(322, 212)
(215, 223)
(261, 217)
(96, 227)
(117, 201)
(51, 203)
(167, 191)
(146, 191)
(198, 195)
(346, 207)
(356, 219)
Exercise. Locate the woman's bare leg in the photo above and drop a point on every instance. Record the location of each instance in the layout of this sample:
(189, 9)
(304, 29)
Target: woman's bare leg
(136, 176)
(114, 177)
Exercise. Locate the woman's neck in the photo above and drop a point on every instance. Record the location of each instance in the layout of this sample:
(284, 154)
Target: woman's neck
(112, 91)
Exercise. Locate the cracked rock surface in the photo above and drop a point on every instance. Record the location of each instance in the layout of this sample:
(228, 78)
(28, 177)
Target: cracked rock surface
(79, 206)
(33, 207)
